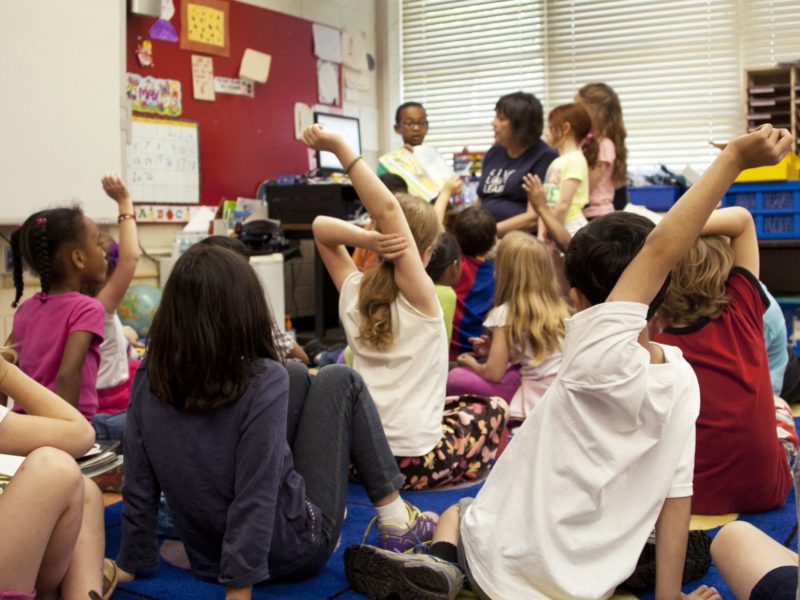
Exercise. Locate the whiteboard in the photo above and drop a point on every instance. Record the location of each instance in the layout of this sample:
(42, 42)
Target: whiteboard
(163, 161)
(63, 108)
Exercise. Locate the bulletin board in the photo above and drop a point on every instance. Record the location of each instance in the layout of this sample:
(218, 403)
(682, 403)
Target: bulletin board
(242, 140)
(163, 161)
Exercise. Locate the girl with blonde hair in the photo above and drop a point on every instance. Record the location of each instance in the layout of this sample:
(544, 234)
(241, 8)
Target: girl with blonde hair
(395, 327)
(526, 326)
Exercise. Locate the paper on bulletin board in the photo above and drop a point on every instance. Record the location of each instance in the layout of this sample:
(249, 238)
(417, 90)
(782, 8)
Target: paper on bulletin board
(237, 87)
(303, 117)
(255, 66)
(203, 77)
(153, 95)
(354, 49)
(327, 43)
(369, 128)
(355, 80)
(327, 82)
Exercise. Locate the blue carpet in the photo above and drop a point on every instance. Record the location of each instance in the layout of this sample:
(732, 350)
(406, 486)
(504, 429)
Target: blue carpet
(176, 584)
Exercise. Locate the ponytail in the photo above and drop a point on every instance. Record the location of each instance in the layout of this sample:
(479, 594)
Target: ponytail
(16, 256)
(590, 149)
(37, 244)
(375, 297)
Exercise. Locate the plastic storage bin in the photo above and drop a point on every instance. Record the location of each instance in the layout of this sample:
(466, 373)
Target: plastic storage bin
(775, 207)
(788, 168)
(655, 197)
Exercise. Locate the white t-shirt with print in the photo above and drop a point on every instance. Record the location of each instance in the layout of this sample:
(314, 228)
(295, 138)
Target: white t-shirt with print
(407, 381)
(569, 506)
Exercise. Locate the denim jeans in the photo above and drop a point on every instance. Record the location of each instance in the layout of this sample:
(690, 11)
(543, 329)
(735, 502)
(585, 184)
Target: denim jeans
(109, 427)
(332, 421)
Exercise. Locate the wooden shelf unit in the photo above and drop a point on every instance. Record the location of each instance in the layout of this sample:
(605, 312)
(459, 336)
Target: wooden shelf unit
(773, 96)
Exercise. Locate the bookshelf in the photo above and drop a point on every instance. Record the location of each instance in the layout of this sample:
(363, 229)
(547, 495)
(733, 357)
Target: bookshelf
(772, 96)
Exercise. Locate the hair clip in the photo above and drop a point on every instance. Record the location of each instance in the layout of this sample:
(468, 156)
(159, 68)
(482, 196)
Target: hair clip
(43, 297)
(19, 225)
(41, 221)
(589, 136)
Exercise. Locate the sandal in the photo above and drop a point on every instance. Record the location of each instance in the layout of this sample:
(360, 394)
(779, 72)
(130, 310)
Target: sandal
(109, 578)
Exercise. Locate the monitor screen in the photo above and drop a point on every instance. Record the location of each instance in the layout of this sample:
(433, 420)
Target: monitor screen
(348, 128)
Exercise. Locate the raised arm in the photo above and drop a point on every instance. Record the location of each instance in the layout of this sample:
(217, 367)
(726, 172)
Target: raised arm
(737, 223)
(387, 215)
(452, 187)
(681, 226)
(116, 286)
(538, 203)
(50, 421)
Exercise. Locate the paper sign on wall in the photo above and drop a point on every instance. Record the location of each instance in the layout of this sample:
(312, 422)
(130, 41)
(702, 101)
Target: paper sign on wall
(203, 77)
(327, 43)
(327, 82)
(153, 95)
(255, 66)
(355, 80)
(303, 117)
(238, 87)
(354, 50)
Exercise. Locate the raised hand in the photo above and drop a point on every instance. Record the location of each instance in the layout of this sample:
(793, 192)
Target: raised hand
(764, 146)
(537, 199)
(317, 138)
(114, 187)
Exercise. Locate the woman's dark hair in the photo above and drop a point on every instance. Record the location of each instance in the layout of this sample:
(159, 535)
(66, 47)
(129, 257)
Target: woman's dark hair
(445, 252)
(226, 241)
(394, 183)
(580, 121)
(398, 114)
(526, 116)
(210, 332)
(599, 253)
(39, 239)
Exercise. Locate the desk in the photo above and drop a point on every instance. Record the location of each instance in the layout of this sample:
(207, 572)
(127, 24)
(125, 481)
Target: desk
(780, 265)
(296, 206)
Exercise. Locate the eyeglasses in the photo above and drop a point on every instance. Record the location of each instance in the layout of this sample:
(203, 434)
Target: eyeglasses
(412, 124)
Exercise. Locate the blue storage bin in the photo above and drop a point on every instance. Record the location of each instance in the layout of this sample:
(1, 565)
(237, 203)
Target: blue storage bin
(775, 206)
(655, 197)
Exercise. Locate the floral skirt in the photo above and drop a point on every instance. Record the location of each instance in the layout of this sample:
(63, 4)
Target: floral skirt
(471, 431)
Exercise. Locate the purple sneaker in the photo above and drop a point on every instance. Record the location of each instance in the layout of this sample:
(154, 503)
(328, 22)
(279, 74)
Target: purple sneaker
(399, 538)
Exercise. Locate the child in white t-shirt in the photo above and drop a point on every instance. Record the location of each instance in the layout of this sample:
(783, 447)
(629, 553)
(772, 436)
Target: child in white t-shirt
(608, 452)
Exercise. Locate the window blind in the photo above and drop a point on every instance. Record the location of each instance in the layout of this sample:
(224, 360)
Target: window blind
(677, 65)
(459, 57)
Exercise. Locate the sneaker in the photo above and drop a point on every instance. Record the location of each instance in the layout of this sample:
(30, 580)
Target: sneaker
(110, 578)
(402, 538)
(381, 574)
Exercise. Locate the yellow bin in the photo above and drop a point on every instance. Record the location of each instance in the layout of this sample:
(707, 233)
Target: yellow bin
(788, 168)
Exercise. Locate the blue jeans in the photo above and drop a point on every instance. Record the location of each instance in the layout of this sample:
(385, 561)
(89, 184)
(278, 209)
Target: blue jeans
(332, 422)
(110, 427)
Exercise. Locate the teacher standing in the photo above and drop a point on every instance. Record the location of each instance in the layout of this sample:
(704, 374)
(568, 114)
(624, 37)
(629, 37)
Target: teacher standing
(518, 150)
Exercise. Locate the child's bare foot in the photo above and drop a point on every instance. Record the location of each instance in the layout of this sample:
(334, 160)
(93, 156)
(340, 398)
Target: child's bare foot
(703, 593)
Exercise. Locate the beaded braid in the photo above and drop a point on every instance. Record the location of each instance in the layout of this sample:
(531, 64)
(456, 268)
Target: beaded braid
(40, 253)
(16, 255)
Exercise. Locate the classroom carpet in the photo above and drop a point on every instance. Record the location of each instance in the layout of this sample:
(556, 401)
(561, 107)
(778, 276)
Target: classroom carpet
(173, 583)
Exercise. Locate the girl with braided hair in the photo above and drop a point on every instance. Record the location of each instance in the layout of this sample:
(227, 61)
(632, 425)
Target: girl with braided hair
(57, 332)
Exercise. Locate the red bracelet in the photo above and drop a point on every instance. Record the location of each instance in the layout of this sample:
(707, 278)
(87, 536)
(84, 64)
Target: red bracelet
(125, 216)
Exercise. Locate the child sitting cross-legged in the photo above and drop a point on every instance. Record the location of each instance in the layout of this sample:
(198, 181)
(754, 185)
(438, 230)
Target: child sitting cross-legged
(395, 327)
(715, 310)
(608, 452)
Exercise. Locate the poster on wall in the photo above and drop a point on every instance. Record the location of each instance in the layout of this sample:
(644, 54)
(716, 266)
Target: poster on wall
(204, 27)
(203, 77)
(327, 82)
(154, 96)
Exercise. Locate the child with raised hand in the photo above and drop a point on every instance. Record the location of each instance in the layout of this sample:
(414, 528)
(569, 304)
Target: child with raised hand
(52, 517)
(526, 327)
(113, 376)
(567, 180)
(714, 313)
(394, 325)
(58, 331)
(610, 172)
(607, 454)
(252, 460)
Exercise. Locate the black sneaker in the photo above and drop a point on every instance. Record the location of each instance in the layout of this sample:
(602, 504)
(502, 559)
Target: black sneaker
(698, 561)
(381, 575)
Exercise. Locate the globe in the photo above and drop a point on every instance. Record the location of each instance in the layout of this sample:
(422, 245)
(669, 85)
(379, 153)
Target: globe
(138, 307)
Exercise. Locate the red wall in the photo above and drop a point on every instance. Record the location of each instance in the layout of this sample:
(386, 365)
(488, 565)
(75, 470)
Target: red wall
(242, 140)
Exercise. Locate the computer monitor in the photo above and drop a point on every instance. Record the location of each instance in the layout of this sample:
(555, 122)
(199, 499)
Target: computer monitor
(348, 128)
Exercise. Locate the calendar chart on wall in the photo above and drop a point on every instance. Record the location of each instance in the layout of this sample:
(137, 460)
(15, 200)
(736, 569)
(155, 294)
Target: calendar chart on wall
(163, 161)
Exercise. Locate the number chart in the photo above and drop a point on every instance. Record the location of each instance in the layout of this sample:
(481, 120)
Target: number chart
(163, 161)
